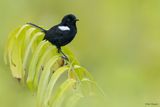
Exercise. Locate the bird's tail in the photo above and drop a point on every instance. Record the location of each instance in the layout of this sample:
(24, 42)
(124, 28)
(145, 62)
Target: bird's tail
(43, 30)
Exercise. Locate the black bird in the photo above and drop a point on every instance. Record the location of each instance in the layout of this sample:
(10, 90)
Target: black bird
(61, 34)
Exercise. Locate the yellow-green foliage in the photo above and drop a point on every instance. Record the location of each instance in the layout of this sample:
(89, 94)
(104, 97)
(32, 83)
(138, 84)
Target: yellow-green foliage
(36, 63)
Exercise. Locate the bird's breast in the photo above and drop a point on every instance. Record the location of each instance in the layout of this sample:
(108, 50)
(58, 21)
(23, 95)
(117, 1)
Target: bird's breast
(68, 37)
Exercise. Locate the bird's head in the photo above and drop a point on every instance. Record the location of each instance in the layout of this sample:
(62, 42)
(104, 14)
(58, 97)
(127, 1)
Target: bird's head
(69, 19)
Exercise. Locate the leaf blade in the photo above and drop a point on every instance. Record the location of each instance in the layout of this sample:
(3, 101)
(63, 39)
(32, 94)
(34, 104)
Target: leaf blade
(44, 80)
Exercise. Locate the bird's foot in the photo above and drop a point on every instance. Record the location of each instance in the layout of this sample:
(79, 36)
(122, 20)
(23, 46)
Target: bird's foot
(65, 58)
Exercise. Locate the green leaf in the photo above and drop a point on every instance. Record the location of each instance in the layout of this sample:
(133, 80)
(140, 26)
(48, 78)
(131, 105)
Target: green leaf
(52, 82)
(82, 72)
(70, 55)
(29, 34)
(73, 99)
(9, 45)
(47, 54)
(65, 86)
(90, 88)
(13, 51)
(16, 64)
(26, 56)
(32, 68)
(44, 79)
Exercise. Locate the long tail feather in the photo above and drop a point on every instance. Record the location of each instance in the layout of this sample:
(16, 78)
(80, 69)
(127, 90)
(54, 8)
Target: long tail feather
(43, 30)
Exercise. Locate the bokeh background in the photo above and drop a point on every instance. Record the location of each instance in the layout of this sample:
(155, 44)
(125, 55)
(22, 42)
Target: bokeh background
(118, 41)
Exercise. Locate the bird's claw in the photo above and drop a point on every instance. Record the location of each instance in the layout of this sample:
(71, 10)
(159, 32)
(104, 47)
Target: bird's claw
(65, 58)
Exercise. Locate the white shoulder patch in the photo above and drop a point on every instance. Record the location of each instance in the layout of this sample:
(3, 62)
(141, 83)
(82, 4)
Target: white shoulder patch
(63, 28)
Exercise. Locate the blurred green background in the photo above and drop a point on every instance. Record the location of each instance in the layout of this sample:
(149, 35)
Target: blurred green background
(118, 41)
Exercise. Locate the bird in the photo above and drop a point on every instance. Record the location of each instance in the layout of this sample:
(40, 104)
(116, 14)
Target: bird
(62, 33)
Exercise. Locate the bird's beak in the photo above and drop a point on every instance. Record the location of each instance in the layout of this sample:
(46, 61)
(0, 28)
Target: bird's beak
(77, 19)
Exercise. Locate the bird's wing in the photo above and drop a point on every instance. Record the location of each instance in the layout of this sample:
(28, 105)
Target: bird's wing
(64, 28)
(58, 31)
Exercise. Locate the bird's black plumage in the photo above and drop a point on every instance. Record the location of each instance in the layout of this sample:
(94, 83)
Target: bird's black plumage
(62, 33)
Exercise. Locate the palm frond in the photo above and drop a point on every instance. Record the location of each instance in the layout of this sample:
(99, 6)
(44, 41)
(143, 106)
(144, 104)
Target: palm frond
(36, 63)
